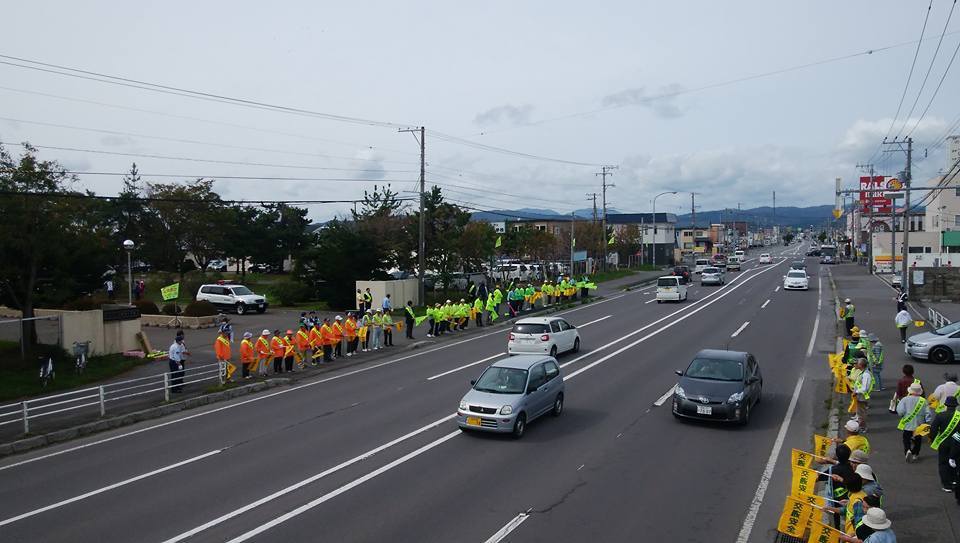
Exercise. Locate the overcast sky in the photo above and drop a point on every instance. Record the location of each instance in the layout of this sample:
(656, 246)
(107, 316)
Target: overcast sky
(618, 83)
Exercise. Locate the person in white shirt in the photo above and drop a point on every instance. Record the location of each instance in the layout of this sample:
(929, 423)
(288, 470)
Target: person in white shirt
(903, 320)
(947, 389)
(177, 356)
(863, 387)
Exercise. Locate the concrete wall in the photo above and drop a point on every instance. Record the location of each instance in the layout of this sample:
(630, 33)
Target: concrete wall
(400, 291)
(104, 337)
(938, 284)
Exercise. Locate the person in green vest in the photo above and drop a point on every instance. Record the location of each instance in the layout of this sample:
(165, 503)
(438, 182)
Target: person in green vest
(463, 314)
(582, 285)
(409, 319)
(478, 309)
(913, 412)
(528, 295)
(546, 292)
(497, 299)
(561, 290)
(432, 320)
(875, 356)
(492, 314)
(517, 299)
(849, 310)
(943, 426)
(387, 329)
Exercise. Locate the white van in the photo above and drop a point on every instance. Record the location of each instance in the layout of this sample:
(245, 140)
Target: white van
(701, 263)
(739, 253)
(671, 288)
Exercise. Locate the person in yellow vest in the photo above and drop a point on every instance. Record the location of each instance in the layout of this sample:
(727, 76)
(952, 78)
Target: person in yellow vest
(546, 291)
(279, 347)
(326, 335)
(387, 329)
(303, 345)
(350, 331)
(862, 387)
(478, 312)
(264, 352)
(377, 330)
(944, 424)
(289, 351)
(409, 318)
(248, 354)
(462, 314)
(221, 349)
(913, 412)
(315, 342)
(337, 336)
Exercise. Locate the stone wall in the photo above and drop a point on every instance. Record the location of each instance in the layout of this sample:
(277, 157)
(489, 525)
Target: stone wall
(939, 284)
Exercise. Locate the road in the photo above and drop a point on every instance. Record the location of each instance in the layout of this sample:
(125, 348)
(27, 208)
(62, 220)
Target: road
(371, 453)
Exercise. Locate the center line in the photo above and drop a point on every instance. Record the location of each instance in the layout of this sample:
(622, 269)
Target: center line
(514, 523)
(764, 304)
(663, 398)
(776, 289)
(650, 301)
(742, 326)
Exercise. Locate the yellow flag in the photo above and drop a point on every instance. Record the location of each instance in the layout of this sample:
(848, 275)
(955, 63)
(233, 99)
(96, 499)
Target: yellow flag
(803, 481)
(814, 500)
(821, 445)
(499, 242)
(793, 520)
(801, 459)
(821, 533)
(922, 430)
(853, 404)
(834, 359)
(918, 324)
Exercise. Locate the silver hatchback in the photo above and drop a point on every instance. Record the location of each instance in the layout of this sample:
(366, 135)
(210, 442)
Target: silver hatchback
(940, 346)
(511, 393)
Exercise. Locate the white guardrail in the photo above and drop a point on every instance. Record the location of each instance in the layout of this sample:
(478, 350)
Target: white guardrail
(100, 396)
(936, 319)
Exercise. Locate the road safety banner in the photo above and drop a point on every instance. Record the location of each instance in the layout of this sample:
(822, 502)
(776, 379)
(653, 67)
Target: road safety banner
(834, 358)
(821, 533)
(170, 292)
(821, 445)
(801, 459)
(817, 501)
(794, 518)
(840, 380)
(803, 481)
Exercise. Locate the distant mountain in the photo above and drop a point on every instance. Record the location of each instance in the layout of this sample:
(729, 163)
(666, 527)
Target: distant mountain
(531, 213)
(784, 216)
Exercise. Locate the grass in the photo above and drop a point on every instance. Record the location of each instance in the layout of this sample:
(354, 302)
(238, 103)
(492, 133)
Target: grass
(20, 378)
(601, 277)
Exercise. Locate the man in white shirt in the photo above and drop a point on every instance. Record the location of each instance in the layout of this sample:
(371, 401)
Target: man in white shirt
(177, 356)
(947, 389)
(863, 387)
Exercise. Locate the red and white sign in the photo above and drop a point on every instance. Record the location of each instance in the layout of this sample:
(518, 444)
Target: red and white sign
(874, 200)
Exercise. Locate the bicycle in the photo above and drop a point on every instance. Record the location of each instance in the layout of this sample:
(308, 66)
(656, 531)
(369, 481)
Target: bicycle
(46, 371)
(80, 350)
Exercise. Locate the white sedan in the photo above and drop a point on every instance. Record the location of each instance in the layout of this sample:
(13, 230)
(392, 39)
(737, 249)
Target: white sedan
(796, 280)
(765, 259)
(543, 335)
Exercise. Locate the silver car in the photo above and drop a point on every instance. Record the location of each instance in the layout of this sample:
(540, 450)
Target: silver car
(940, 346)
(511, 393)
(712, 276)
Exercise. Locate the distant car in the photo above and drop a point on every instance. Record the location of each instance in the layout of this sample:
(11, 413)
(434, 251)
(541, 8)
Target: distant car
(512, 393)
(765, 258)
(671, 288)
(719, 260)
(896, 280)
(739, 253)
(940, 346)
(733, 263)
(217, 265)
(796, 280)
(700, 264)
(718, 385)
(682, 271)
(712, 276)
(798, 265)
(238, 298)
(543, 335)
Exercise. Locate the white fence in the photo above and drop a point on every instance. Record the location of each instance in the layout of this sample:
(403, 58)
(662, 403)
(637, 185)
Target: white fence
(99, 397)
(936, 319)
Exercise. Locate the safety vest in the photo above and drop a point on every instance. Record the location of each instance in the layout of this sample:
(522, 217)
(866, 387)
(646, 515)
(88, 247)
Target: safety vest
(912, 414)
(410, 313)
(277, 346)
(315, 338)
(246, 351)
(848, 311)
(951, 426)
(367, 298)
(350, 328)
(263, 347)
(497, 296)
(478, 305)
(377, 321)
(866, 393)
(303, 340)
(288, 345)
(337, 331)
(222, 348)
(387, 321)
(326, 335)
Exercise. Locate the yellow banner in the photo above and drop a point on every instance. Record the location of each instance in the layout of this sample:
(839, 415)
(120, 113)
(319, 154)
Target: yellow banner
(834, 358)
(803, 481)
(840, 380)
(821, 445)
(816, 501)
(801, 459)
(796, 514)
(853, 404)
(821, 533)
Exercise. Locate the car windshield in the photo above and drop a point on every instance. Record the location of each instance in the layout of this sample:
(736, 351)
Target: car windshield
(711, 270)
(529, 328)
(242, 291)
(948, 329)
(703, 262)
(715, 370)
(797, 275)
(666, 282)
(502, 381)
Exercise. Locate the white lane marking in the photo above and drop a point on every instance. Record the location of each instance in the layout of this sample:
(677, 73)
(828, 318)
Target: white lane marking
(650, 301)
(322, 474)
(666, 395)
(595, 321)
(764, 304)
(776, 289)
(742, 326)
(108, 488)
(816, 321)
(514, 523)
(352, 484)
(465, 366)
(751, 518)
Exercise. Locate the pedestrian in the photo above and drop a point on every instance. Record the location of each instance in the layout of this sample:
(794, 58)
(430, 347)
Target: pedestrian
(478, 312)
(327, 340)
(377, 321)
(871, 487)
(387, 304)
(289, 351)
(108, 285)
(862, 387)
(137, 292)
(901, 299)
(852, 511)
(226, 327)
(248, 355)
(913, 412)
(361, 303)
(905, 381)
(368, 298)
(954, 462)
(947, 389)
(432, 320)
(903, 320)
(221, 349)
(316, 351)
(409, 319)
(852, 438)
(584, 291)
(943, 426)
(177, 357)
(848, 314)
(278, 348)
(462, 314)
(876, 361)
(337, 337)
(482, 290)
(366, 324)
(264, 352)
(350, 332)
(835, 476)
(497, 299)
(874, 527)
(387, 329)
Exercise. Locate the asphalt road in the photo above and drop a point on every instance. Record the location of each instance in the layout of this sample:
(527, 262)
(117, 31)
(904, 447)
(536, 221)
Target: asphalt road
(371, 453)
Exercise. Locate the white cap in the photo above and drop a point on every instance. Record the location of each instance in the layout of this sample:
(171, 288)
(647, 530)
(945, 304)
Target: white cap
(265, 332)
(852, 426)
(339, 318)
(865, 472)
(847, 300)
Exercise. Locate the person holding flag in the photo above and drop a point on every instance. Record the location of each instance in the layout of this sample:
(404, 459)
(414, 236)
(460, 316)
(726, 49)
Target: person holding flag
(289, 351)
(432, 316)
(350, 332)
(279, 348)
(943, 426)
(316, 351)
(248, 355)
(337, 337)
(528, 296)
(221, 348)
(497, 299)
(303, 344)
(264, 352)
(409, 318)
(326, 340)
(387, 322)
(546, 291)
(913, 412)
(478, 312)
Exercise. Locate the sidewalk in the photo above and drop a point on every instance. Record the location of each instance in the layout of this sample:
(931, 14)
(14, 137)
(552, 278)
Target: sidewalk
(913, 500)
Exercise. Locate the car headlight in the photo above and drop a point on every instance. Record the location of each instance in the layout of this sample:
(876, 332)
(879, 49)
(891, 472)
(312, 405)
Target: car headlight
(679, 392)
(506, 410)
(463, 405)
(736, 397)
(919, 344)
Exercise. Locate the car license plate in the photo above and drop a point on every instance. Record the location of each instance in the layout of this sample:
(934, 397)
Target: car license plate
(704, 410)
(473, 421)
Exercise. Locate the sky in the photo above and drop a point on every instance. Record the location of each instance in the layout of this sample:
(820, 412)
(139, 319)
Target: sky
(522, 101)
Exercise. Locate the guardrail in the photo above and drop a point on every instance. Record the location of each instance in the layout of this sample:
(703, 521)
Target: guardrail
(100, 396)
(936, 319)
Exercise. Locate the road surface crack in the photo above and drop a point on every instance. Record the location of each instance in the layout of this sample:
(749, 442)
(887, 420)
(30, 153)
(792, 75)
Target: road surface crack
(562, 499)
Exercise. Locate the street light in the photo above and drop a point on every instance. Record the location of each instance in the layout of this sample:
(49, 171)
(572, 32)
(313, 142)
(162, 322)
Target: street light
(128, 245)
(655, 224)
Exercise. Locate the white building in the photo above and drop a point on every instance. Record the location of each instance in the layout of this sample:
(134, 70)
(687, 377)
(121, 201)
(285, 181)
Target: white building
(953, 152)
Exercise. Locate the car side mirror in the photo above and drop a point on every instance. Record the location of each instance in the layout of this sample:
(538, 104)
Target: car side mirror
(678, 372)
(572, 327)
(473, 382)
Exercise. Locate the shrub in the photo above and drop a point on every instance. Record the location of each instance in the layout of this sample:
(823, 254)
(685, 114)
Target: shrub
(200, 309)
(289, 293)
(147, 307)
(172, 309)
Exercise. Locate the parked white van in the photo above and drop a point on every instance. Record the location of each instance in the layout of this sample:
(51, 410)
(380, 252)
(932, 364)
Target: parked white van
(671, 289)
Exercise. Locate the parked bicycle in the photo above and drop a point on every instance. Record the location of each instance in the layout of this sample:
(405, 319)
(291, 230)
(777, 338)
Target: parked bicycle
(46, 371)
(80, 350)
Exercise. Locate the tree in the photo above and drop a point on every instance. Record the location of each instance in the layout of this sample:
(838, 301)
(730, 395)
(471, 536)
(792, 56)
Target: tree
(822, 237)
(788, 237)
(476, 245)
(380, 217)
(332, 262)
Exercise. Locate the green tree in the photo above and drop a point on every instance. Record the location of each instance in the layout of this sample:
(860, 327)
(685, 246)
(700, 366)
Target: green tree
(333, 261)
(788, 237)
(822, 237)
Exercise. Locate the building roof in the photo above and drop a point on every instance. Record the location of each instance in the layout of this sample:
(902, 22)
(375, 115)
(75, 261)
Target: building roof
(638, 218)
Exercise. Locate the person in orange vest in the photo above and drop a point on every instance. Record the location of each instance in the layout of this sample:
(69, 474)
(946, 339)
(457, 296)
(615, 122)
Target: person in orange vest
(303, 344)
(264, 352)
(289, 351)
(315, 340)
(326, 332)
(350, 331)
(279, 347)
(221, 348)
(338, 337)
(248, 355)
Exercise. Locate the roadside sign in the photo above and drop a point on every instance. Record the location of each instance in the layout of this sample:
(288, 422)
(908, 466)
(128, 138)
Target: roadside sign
(917, 277)
(837, 213)
(170, 292)
(894, 184)
(580, 256)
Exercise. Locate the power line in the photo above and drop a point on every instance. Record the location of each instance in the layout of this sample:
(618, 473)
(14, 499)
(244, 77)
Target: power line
(937, 90)
(483, 147)
(73, 195)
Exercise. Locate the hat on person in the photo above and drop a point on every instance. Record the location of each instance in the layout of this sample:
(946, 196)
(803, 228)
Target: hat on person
(339, 318)
(289, 332)
(247, 335)
(852, 426)
(876, 518)
(951, 401)
(369, 311)
(865, 471)
(265, 332)
(847, 300)
(379, 310)
(950, 376)
(276, 332)
(448, 301)
(178, 339)
(915, 388)
(859, 456)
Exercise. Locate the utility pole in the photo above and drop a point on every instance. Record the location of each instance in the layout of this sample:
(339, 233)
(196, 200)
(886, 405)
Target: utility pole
(422, 247)
(573, 238)
(603, 173)
(907, 176)
(593, 196)
(870, 197)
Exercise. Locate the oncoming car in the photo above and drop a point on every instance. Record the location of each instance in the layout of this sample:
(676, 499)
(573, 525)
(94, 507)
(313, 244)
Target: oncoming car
(718, 385)
(796, 280)
(765, 259)
(712, 276)
(512, 393)
(543, 335)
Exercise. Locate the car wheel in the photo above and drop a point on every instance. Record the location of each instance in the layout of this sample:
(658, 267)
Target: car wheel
(941, 355)
(576, 345)
(553, 351)
(519, 426)
(241, 309)
(557, 406)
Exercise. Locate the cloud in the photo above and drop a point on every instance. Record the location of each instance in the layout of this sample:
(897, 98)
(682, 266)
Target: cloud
(506, 114)
(117, 141)
(663, 102)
